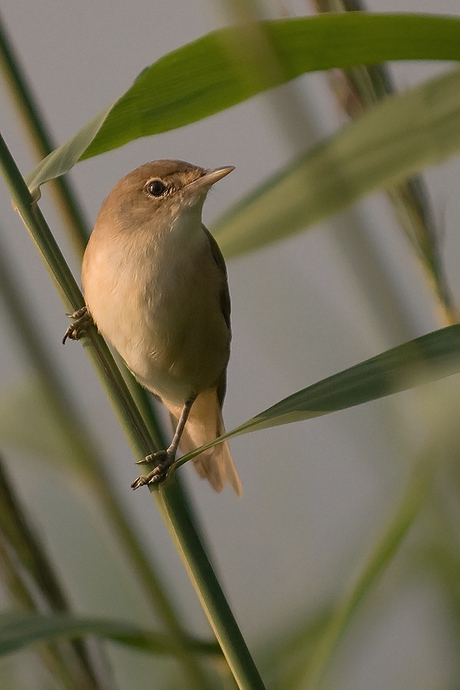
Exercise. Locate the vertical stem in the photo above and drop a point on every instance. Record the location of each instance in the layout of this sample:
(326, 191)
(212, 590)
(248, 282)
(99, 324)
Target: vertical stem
(392, 536)
(66, 662)
(208, 588)
(357, 89)
(40, 138)
(71, 211)
(132, 420)
(174, 509)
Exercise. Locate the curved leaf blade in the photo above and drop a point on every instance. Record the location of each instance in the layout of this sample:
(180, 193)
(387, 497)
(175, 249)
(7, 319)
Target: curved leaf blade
(221, 69)
(19, 630)
(28, 422)
(62, 159)
(226, 67)
(396, 138)
(310, 672)
(428, 358)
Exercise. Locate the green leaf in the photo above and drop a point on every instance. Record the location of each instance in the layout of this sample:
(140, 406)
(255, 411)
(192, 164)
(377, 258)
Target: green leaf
(285, 657)
(33, 421)
(28, 422)
(428, 358)
(400, 136)
(18, 630)
(62, 159)
(309, 675)
(233, 64)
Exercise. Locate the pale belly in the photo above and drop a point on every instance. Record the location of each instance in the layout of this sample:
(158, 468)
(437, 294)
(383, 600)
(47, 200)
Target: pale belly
(170, 332)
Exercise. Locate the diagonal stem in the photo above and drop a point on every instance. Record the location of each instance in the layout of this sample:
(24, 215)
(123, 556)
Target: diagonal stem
(357, 89)
(170, 502)
(40, 138)
(116, 387)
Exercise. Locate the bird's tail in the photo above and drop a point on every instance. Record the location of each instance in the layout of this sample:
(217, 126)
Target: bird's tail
(205, 424)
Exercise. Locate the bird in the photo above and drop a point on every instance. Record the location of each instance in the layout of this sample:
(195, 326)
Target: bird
(155, 286)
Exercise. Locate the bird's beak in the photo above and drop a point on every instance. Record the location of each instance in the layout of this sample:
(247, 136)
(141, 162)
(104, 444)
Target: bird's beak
(210, 177)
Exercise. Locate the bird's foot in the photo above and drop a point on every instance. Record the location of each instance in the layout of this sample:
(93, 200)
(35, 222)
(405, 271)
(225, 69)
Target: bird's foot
(163, 460)
(81, 320)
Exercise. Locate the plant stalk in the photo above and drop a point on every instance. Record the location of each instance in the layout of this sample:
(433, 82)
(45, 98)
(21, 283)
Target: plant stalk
(40, 139)
(207, 586)
(67, 663)
(357, 89)
(172, 506)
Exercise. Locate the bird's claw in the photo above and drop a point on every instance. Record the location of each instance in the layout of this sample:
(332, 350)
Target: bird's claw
(81, 320)
(163, 460)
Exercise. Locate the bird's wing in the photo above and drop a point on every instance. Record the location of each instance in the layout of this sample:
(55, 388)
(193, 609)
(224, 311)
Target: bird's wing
(224, 304)
(219, 259)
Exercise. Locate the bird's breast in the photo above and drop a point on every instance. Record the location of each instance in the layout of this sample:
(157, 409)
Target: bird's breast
(159, 305)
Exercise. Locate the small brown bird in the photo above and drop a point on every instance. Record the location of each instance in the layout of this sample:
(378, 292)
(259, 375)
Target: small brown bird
(155, 285)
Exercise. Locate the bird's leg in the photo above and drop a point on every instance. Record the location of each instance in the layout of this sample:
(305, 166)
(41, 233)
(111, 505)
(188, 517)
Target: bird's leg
(81, 320)
(165, 458)
(172, 450)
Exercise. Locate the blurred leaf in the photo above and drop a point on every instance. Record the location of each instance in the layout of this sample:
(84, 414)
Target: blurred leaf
(224, 68)
(62, 159)
(26, 552)
(400, 136)
(311, 672)
(28, 422)
(428, 358)
(284, 659)
(301, 658)
(18, 630)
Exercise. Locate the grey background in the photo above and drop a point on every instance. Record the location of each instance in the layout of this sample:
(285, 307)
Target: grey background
(315, 493)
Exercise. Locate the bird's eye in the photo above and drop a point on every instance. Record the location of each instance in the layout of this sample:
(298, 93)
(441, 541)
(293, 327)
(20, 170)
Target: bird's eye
(156, 188)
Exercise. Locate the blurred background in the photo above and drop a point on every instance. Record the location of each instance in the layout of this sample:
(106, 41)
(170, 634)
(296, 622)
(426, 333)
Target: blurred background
(317, 493)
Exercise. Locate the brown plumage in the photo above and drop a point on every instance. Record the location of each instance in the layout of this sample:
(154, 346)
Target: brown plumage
(155, 284)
